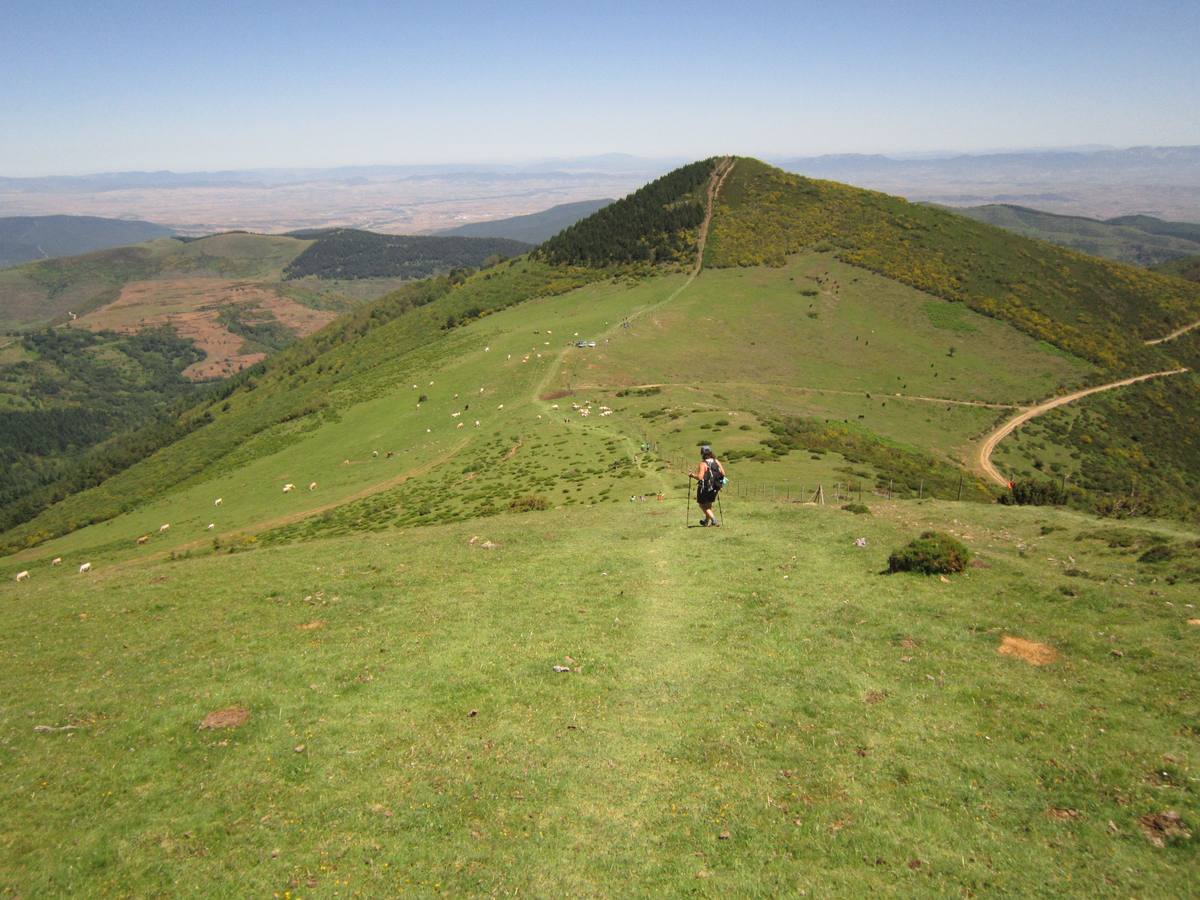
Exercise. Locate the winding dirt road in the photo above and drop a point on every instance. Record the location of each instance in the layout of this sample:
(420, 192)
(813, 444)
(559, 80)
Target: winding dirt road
(983, 461)
(1174, 334)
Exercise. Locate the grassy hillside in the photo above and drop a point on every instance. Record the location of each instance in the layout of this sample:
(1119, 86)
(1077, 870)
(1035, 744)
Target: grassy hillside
(750, 711)
(25, 238)
(481, 494)
(1099, 310)
(533, 228)
(1139, 240)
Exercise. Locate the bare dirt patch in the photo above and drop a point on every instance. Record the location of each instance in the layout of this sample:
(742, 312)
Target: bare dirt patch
(229, 717)
(1194, 621)
(1032, 652)
(555, 395)
(192, 306)
(311, 626)
(1159, 828)
(1060, 814)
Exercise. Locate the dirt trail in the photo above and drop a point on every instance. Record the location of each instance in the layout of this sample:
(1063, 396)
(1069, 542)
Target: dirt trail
(720, 173)
(716, 180)
(1174, 334)
(983, 460)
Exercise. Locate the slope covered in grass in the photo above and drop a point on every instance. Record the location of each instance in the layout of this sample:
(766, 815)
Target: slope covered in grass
(1099, 310)
(749, 711)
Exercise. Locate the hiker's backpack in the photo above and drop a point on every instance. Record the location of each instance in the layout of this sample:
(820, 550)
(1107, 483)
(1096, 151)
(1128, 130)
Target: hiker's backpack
(713, 480)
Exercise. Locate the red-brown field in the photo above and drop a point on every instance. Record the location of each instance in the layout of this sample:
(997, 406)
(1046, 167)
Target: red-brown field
(192, 306)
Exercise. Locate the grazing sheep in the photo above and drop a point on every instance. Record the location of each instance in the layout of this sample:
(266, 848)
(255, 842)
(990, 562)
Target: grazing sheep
(143, 539)
(288, 488)
(86, 567)
(162, 529)
(429, 431)
(389, 455)
(501, 406)
(476, 423)
(210, 526)
(57, 561)
(374, 454)
(217, 502)
(312, 486)
(486, 349)
(460, 424)
(21, 576)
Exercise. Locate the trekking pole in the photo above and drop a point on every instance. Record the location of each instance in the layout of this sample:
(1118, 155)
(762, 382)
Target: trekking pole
(686, 510)
(721, 510)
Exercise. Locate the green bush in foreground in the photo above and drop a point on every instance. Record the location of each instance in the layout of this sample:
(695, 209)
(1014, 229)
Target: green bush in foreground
(933, 553)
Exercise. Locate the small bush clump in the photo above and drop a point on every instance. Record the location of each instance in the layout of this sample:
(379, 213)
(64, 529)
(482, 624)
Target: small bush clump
(529, 503)
(1158, 553)
(859, 509)
(1034, 492)
(933, 553)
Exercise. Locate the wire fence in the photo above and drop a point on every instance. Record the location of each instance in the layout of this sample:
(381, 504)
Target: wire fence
(811, 491)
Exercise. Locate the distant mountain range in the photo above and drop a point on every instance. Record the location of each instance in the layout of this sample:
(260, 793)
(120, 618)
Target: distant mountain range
(1142, 240)
(533, 228)
(1159, 181)
(25, 238)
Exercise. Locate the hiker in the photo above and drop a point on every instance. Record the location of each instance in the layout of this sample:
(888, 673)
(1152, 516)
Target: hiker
(710, 478)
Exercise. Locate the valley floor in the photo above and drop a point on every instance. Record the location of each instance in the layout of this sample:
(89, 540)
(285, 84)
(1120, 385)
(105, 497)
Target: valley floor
(752, 710)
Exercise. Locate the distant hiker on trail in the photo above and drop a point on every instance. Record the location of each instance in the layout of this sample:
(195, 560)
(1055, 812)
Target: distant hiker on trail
(710, 478)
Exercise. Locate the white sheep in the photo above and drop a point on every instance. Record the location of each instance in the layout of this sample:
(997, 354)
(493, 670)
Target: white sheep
(460, 425)
(164, 528)
(57, 561)
(429, 431)
(143, 539)
(288, 488)
(501, 406)
(312, 486)
(486, 349)
(374, 454)
(476, 423)
(210, 526)
(217, 502)
(21, 576)
(86, 567)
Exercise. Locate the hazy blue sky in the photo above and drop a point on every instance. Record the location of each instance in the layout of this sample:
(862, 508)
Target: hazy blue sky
(96, 86)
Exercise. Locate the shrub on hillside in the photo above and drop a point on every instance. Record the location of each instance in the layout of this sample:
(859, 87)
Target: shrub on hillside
(529, 503)
(1034, 492)
(859, 509)
(933, 553)
(1158, 553)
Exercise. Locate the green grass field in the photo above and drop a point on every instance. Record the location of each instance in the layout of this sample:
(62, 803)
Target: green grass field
(753, 710)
